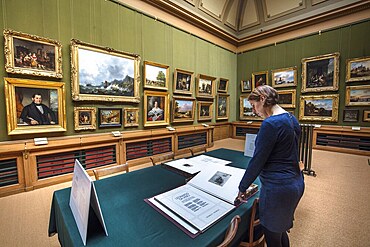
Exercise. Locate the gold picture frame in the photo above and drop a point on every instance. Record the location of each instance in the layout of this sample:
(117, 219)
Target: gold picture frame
(84, 118)
(156, 108)
(223, 85)
(246, 109)
(286, 77)
(205, 86)
(21, 111)
(358, 95)
(287, 98)
(246, 86)
(183, 82)
(259, 79)
(320, 73)
(87, 85)
(323, 108)
(366, 116)
(131, 117)
(358, 69)
(205, 110)
(222, 103)
(156, 75)
(183, 109)
(32, 55)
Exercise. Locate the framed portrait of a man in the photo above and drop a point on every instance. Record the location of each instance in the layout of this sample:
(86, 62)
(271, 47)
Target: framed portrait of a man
(34, 106)
(156, 108)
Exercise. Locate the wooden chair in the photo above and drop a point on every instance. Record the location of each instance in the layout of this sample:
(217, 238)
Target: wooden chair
(231, 231)
(160, 158)
(98, 173)
(255, 236)
(197, 150)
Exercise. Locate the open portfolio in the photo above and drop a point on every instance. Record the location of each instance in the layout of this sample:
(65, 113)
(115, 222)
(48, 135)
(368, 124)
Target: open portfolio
(203, 201)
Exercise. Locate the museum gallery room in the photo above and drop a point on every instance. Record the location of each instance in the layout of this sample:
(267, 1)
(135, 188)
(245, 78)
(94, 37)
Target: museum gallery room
(146, 123)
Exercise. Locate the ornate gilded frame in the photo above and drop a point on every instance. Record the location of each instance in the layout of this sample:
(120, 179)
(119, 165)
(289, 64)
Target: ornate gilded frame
(311, 80)
(246, 110)
(292, 98)
(312, 113)
(209, 90)
(278, 74)
(14, 62)
(131, 120)
(13, 102)
(358, 69)
(85, 56)
(223, 85)
(358, 95)
(80, 113)
(205, 110)
(259, 79)
(149, 98)
(223, 107)
(187, 115)
(179, 75)
(152, 71)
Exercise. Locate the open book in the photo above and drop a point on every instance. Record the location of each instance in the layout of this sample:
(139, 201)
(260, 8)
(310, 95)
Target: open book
(203, 201)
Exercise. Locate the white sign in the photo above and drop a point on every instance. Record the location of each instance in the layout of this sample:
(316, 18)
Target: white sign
(80, 200)
(249, 144)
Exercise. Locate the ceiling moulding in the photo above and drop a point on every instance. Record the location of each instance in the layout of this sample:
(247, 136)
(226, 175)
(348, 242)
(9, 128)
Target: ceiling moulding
(207, 8)
(269, 7)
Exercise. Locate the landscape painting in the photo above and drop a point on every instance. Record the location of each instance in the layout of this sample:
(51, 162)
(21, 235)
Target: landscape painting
(319, 108)
(183, 109)
(284, 77)
(102, 74)
(358, 95)
(358, 69)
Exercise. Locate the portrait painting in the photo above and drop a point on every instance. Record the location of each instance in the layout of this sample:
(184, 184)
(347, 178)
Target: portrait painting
(358, 95)
(131, 117)
(104, 74)
(183, 82)
(358, 69)
(246, 109)
(222, 107)
(287, 98)
(320, 73)
(286, 77)
(32, 55)
(319, 108)
(246, 86)
(205, 87)
(350, 115)
(205, 110)
(85, 118)
(259, 79)
(110, 117)
(34, 106)
(223, 85)
(366, 116)
(183, 109)
(156, 108)
(156, 75)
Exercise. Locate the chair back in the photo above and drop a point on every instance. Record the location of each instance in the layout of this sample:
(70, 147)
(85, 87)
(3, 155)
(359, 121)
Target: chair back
(197, 150)
(160, 158)
(254, 238)
(98, 173)
(231, 231)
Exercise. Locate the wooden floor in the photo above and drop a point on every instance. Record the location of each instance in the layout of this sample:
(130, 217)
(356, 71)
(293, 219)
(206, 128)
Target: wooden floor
(334, 210)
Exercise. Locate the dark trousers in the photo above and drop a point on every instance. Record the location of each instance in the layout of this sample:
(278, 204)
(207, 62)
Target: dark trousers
(276, 239)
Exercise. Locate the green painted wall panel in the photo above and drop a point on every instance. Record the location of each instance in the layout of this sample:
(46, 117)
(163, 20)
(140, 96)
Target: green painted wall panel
(81, 20)
(183, 50)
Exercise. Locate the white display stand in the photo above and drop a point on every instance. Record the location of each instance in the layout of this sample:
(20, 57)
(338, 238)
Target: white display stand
(83, 194)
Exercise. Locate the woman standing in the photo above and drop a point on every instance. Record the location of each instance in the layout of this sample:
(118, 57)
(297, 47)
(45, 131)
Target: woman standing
(276, 162)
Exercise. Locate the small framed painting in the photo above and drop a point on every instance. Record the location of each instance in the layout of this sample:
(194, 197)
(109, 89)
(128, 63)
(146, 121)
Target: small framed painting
(223, 85)
(358, 69)
(287, 98)
(85, 118)
(358, 95)
(156, 108)
(222, 112)
(320, 73)
(284, 77)
(246, 86)
(183, 82)
(259, 79)
(205, 110)
(156, 75)
(131, 117)
(322, 108)
(366, 117)
(246, 109)
(205, 87)
(350, 115)
(183, 109)
(110, 117)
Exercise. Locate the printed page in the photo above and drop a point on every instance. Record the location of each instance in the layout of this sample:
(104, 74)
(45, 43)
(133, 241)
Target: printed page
(196, 207)
(207, 160)
(249, 144)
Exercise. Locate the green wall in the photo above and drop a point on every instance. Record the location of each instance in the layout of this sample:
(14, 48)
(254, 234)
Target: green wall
(352, 41)
(109, 24)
